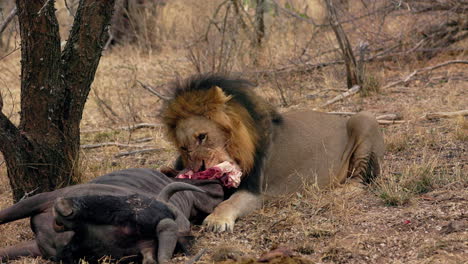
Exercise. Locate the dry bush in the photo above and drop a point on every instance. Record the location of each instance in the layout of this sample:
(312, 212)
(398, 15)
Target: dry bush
(399, 188)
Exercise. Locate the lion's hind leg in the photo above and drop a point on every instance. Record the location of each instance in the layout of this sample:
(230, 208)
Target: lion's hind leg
(368, 146)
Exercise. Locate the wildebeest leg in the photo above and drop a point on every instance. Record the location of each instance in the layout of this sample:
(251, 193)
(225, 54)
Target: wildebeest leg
(167, 239)
(25, 249)
(225, 214)
(147, 251)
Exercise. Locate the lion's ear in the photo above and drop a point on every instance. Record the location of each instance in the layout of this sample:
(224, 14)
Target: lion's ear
(217, 92)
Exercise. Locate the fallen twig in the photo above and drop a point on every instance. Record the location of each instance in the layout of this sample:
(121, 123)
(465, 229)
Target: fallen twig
(385, 119)
(390, 122)
(437, 115)
(107, 144)
(125, 128)
(8, 19)
(196, 257)
(419, 71)
(28, 194)
(153, 91)
(128, 153)
(351, 91)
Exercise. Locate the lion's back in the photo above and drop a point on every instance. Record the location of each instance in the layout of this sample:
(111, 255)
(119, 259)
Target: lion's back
(307, 144)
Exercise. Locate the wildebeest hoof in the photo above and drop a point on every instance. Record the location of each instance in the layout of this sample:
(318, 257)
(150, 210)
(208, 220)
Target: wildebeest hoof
(217, 223)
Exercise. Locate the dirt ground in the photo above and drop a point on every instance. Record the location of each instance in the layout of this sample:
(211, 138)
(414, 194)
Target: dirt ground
(416, 212)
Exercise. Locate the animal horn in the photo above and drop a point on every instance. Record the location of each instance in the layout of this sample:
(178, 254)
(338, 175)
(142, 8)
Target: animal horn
(174, 187)
(64, 207)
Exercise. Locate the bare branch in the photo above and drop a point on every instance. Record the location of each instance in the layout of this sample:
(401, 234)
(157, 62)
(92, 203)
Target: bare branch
(153, 91)
(41, 11)
(390, 122)
(8, 19)
(107, 144)
(109, 40)
(419, 71)
(293, 14)
(126, 128)
(112, 144)
(124, 154)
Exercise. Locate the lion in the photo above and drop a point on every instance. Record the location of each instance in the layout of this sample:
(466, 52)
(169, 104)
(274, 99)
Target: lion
(213, 118)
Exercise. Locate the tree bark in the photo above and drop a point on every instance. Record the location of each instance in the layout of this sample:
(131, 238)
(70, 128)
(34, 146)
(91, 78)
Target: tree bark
(41, 154)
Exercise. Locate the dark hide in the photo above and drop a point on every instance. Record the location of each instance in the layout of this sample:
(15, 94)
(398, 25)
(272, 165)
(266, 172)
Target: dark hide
(117, 214)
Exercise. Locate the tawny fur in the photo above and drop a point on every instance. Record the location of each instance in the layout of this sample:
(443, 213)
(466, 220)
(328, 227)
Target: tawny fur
(212, 119)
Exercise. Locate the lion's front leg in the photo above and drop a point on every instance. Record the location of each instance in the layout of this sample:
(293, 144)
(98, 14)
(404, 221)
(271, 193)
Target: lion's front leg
(225, 214)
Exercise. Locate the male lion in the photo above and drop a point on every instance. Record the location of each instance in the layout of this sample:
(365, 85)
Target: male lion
(212, 119)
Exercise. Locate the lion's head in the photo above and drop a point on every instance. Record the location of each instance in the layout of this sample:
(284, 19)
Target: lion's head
(212, 119)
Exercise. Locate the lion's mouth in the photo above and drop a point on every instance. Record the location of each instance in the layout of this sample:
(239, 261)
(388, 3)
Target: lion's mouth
(203, 166)
(227, 172)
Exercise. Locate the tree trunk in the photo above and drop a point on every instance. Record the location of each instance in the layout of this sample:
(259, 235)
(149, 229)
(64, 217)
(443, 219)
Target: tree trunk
(41, 154)
(259, 22)
(352, 73)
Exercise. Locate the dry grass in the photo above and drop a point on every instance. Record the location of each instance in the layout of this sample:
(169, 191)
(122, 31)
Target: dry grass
(424, 176)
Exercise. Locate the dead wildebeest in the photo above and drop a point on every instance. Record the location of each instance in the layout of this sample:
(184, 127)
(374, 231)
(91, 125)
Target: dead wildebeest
(125, 214)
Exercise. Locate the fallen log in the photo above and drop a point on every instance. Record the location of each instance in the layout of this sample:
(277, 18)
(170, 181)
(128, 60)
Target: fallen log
(438, 115)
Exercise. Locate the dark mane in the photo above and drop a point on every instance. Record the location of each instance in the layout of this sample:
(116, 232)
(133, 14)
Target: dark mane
(240, 89)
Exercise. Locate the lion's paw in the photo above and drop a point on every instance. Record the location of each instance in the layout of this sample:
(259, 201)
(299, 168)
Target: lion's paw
(218, 223)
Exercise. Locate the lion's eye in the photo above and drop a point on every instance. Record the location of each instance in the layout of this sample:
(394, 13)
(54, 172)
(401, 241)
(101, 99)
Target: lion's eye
(201, 137)
(184, 148)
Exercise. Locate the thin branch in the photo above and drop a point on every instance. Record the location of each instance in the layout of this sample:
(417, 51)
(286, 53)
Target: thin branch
(390, 122)
(28, 194)
(114, 144)
(110, 39)
(106, 144)
(8, 19)
(293, 14)
(41, 11)
(125, 128)
(153, 91)
(419, 71)
(196, 257)
(128, 153)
